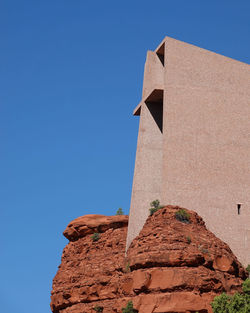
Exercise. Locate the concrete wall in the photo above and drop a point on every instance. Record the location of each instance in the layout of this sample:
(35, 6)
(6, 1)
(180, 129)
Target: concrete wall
(206, 149)
(201, 161)
(148, 166)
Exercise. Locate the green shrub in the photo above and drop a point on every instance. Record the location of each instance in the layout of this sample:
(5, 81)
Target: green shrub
(119, 212)
(98, 308)
(248, 268)
(155, 206)
(152, 211)
(238, 303)
(129, 308)
(95, 236)
(182, 216)
(220, 303)
(246, 287)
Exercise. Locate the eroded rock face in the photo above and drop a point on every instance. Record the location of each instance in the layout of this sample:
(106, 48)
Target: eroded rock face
(170, 267)
(90, 271)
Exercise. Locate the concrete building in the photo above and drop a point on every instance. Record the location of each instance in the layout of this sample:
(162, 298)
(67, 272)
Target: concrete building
(193, 145)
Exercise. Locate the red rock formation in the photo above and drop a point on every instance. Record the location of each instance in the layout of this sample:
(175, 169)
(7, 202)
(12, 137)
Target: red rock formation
(170, 267)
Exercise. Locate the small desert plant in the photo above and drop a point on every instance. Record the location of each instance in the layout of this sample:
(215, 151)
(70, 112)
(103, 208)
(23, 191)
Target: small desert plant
(127, 268)
(152, 211)
(155, 206)
(182, 216)
(119, 212)
(98, 308)
(204, 251)
(248, 268)
(189, 239)
(95, 237)
(129, 308)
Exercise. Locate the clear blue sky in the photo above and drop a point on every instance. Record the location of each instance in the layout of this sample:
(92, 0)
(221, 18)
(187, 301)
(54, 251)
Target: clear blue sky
(71, 74)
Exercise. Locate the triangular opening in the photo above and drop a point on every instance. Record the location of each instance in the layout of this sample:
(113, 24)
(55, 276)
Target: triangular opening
(155, 105)
(161, 53)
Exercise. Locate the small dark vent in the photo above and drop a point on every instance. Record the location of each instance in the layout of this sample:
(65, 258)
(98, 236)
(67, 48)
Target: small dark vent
(161, 53)
(238, 208)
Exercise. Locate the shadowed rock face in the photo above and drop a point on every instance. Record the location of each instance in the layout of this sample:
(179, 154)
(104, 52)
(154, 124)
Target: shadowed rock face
(170, 267)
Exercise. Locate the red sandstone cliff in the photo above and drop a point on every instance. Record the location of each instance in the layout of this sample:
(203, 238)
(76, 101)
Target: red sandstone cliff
(170, 267)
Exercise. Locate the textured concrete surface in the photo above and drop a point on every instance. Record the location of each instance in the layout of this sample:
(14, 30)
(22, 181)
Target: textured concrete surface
(201, 158)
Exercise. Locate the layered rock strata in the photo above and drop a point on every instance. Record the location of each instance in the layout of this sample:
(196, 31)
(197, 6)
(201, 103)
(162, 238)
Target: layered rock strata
(171, 266)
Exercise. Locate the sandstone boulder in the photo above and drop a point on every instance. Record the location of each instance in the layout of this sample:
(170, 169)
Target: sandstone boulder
(170, 267)
(93, 223)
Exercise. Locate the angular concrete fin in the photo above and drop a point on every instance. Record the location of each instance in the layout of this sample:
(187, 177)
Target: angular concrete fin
(153, 74)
